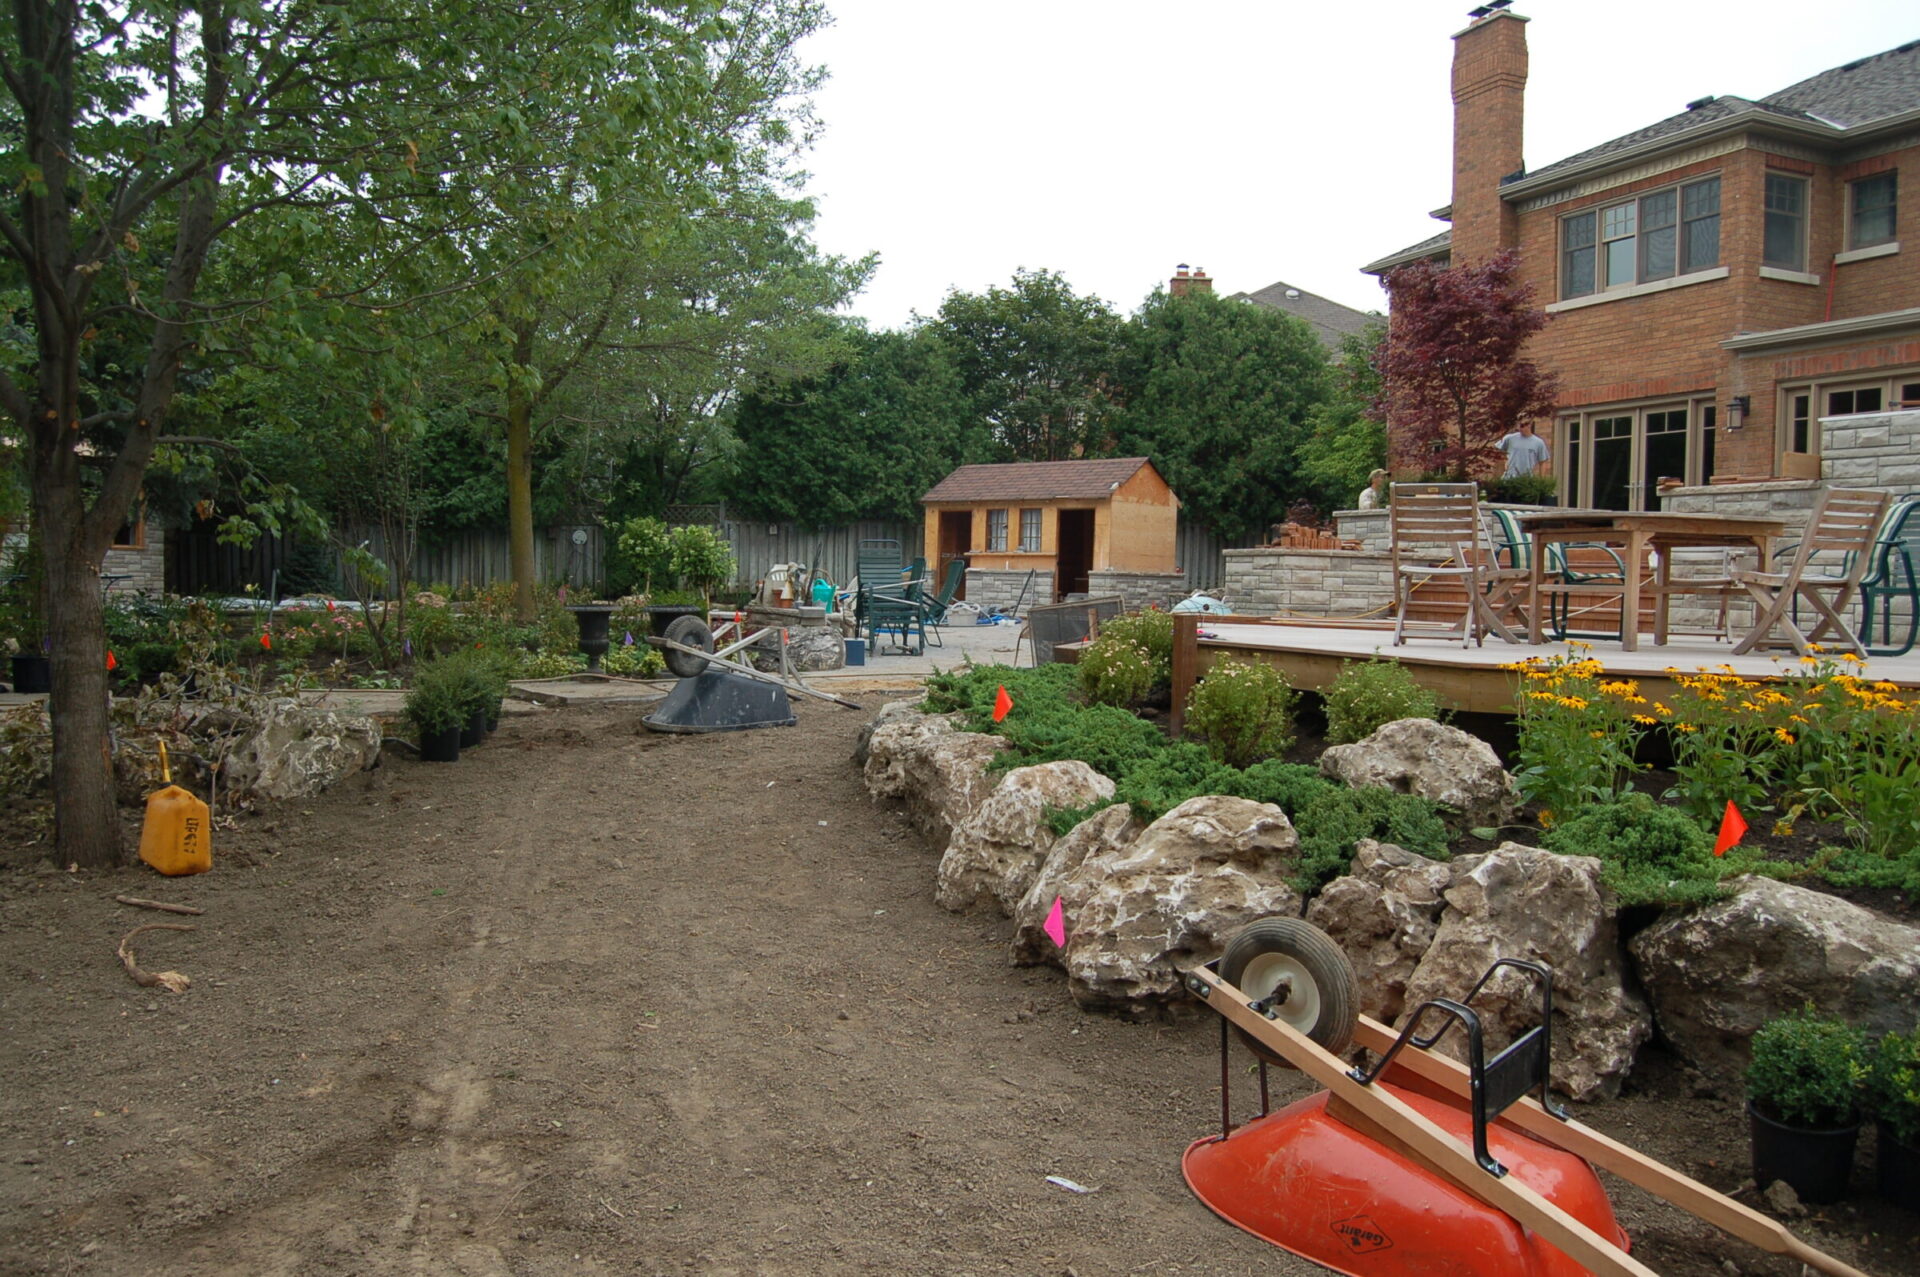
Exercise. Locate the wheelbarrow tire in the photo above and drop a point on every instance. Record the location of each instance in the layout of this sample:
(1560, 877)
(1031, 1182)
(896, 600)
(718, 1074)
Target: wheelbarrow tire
(693, 632)
(1323, 1002)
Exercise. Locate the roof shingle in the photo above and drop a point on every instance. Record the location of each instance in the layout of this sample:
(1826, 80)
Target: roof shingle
(1036, 480)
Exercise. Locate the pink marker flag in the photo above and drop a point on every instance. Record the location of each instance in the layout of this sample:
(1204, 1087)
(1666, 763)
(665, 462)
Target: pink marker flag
(1056, 925)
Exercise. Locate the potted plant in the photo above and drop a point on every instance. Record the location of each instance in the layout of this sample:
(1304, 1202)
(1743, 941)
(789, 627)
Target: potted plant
(1803, 1103)
(20, 612)
(1893, 1098)
(439, 707)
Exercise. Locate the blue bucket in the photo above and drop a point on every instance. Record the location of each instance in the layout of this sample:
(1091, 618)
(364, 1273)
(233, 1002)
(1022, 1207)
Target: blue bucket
(856, 651)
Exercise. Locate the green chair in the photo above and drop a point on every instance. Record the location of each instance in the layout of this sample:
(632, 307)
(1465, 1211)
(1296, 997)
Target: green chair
(936, 607)
(1514, 549)
(1890, 576)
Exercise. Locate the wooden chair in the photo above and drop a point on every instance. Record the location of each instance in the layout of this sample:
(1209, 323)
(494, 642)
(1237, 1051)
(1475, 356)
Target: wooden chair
(1435, 530)
(1846, 523)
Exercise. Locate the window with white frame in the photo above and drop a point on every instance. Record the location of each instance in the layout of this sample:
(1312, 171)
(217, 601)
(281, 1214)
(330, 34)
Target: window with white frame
(1617, 457)
(1872, 206)
(1029, 531)
(1801, 407)
(1655, 236)
(1784, 241)
(997, 530)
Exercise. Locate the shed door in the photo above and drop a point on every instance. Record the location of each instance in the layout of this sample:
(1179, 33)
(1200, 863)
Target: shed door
(956, 534)
(1076, 553)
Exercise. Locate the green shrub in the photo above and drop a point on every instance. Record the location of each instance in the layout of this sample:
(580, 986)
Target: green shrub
(1180, 770)
(646, 549)
(1151, 630)
(1331, 822)
(1807, 1069)
(702, 558)
(1650, 853)
(439, 697)
(1368, 695)
(1893, 1085)
(638, 661)
(1244, 710)
(1115, 671)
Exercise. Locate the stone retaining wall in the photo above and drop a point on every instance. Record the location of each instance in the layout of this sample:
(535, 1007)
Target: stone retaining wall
(145, 568)
(994, 591)
(1139, 589)
(1268, 581)
(1871, 450)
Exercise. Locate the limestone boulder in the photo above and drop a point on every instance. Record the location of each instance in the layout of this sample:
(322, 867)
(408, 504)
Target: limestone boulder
(1522, 902)
(906, 711)
(1430, 760)
(1059, 878)
(1172, 897)
(1719, 972)
(1384, 914)
(810, 649)
(937, 771)
(296, 750)
(996, 851)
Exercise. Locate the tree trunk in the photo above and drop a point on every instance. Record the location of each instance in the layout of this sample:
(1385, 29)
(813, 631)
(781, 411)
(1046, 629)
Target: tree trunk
(86, 810)
(520, 475)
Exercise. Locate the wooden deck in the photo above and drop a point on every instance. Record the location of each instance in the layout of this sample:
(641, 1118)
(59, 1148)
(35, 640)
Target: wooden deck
(1471, 678)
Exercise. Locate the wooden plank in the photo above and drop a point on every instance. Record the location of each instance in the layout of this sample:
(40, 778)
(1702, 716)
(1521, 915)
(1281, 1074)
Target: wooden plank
(1186, 669)
(1610, 1155)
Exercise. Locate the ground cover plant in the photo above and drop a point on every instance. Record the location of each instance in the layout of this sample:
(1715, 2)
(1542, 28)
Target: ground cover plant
(1051, 721)
(1819, 743)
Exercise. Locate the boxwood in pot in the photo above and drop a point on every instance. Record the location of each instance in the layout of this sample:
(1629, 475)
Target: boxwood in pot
(439, 703)
(1803, 1092)
(1893, 1099)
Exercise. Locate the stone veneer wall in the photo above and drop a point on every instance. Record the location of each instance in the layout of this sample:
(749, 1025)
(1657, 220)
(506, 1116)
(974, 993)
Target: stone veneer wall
(1788, 500)
(1368, 527)
(144, 568)
(1269, 581)
(1871, 450)
(1139, 589)
(993, 591)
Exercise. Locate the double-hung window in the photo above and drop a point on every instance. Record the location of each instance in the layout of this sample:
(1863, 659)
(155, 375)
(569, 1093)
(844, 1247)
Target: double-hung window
(997, 530)
(1785, 237)
(1657, 236)
(1029, 532)
(1872, 205)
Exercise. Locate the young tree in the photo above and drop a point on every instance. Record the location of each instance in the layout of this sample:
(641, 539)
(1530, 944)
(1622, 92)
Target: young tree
(1217, 392)
(1455, 379)
(1035, 362)
(149, 134)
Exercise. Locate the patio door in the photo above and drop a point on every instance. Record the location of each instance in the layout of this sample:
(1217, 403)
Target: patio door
(1615, 458)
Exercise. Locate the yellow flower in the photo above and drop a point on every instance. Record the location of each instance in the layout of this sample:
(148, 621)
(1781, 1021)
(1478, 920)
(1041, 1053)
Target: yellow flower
(1645, 720)
(1809, 660)
(1546, 818)
(1785, 736)
(1686, 727)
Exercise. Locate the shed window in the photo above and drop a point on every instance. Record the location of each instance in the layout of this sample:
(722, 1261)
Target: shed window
(997, 530)
(1029, 531)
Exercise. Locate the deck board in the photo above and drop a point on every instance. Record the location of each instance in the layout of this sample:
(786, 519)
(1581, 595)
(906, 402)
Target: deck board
(1472, 678)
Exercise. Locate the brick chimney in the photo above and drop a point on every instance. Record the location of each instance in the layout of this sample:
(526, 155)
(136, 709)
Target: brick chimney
(1185, 281)
(1489, 92)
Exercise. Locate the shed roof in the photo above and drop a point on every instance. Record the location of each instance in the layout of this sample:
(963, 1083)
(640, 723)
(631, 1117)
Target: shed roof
(1036, 480)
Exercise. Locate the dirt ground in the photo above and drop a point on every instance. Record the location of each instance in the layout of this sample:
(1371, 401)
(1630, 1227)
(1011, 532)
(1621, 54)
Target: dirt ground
(599, 1001)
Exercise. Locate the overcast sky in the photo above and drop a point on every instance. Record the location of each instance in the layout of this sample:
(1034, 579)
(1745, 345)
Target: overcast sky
(1264, 140)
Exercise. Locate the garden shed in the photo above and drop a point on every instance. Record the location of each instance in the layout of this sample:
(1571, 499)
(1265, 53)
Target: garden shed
(1055, 529)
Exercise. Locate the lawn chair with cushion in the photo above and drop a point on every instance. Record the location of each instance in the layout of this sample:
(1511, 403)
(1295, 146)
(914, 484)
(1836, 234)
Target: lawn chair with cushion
(933, 609)
(1435, 530)
(1845, 527)
(1890, 577)
(1514, 549)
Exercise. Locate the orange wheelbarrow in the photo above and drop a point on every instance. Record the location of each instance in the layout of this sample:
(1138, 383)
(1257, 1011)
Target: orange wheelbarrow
(1419, 1164)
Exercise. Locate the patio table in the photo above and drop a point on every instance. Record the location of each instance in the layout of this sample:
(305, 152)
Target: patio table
(1636, 532)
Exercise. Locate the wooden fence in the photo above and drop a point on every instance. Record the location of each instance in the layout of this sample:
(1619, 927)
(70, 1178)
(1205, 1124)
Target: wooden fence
(198, 564)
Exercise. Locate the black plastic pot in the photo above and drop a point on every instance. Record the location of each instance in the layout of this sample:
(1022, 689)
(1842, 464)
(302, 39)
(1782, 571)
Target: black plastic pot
(440, 747)
(1898, 1177)
(1816, 1163)
(32, 674)
(661, 615)
(475, 731)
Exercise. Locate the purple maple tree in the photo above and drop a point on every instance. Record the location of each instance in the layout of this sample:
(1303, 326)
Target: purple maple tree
(1455, 381)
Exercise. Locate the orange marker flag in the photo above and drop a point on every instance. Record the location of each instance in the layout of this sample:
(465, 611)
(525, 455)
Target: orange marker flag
(111, 663)
(1733, 827)
(1001, 704)
(266, 641)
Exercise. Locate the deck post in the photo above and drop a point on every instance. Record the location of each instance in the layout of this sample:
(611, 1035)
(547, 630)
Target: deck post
(1186, 659)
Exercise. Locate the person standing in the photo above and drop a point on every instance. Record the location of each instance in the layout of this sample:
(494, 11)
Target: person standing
(1374, 495)
(1526, 452)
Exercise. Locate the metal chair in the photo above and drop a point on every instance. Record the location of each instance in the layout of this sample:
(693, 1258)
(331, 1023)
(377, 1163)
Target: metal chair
(1846, 523)
(1436, 530)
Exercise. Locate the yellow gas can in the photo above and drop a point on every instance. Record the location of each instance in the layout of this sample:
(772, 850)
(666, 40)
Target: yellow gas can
(177, 837)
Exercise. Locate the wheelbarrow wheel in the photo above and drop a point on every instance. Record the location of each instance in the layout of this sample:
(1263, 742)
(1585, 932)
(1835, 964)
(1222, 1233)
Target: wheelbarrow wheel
(1319, 997)
(693, 632)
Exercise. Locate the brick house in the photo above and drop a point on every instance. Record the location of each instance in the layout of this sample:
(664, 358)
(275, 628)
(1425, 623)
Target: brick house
(1719, 281)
